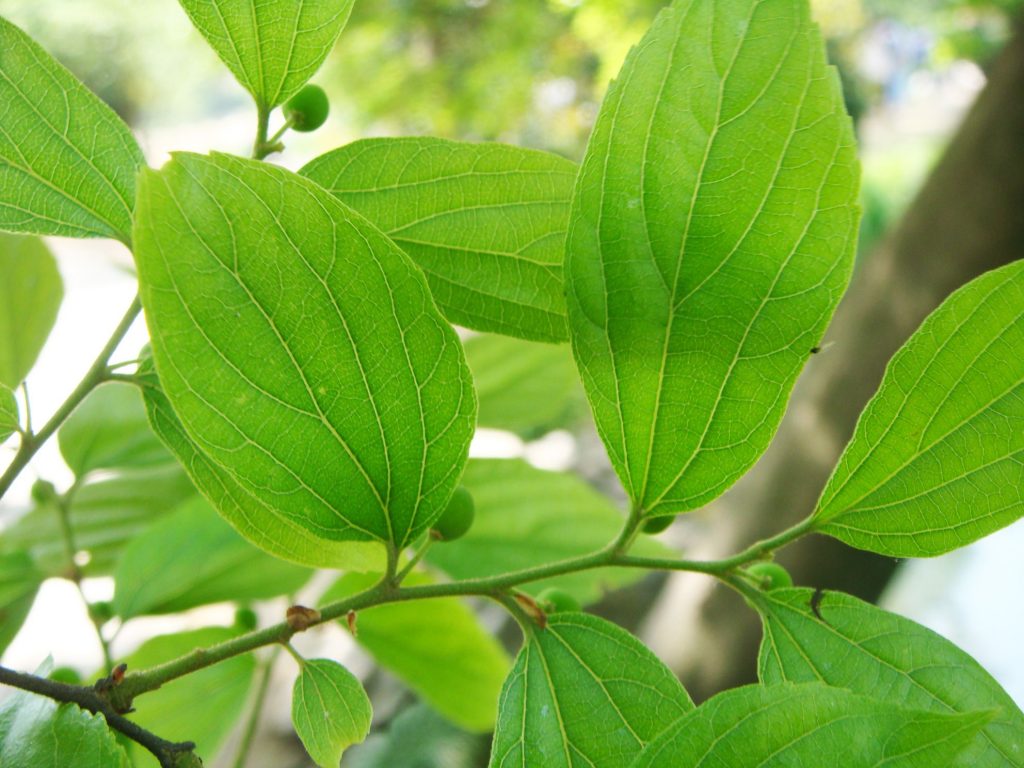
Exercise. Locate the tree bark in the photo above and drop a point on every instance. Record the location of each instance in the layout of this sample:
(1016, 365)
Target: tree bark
(967, 219)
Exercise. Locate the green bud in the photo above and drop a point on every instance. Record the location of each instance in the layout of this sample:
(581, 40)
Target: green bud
(770, 575)
(658, 524)
(43, 492)
(555, 600)
(245, 619)
(457, 517)
(307, 110)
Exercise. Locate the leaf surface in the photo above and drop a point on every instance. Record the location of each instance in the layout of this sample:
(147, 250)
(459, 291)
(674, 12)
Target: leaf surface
(485, 222)
(937, 458)
(272, 46)
(301, 350)
(67, 162)
(583, 692)
(330, 710)
(712, 234)
(875, 653)
(30, 294)
(19, 581)
(9, 418)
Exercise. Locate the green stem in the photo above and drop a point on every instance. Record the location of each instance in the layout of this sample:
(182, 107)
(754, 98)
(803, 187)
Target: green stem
(95, 376)
(259, 147)
(414, 560)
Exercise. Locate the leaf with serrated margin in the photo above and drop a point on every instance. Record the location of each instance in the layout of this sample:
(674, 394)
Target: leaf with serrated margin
(330, 710)
(272, 46)
(875, 653)
(67, 162)
(937, 458)
(711, 237)
(485, 222)
(583, 692)
(30, 294)
(811, 724)
(9, 418)
(301, 350)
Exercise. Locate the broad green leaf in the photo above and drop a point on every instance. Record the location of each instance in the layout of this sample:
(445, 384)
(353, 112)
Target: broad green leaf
(937, 458)
(875, 653)
(67, 162)
(273, 46)
(9, 418)
(523, 387)
(300, 349)
(330, 710)
(252, 518)
(200, 707)
(812, 724)
(104, 515)
(711, 237)
(37, 732)
(192, 557)
(419, 737)
(109, 430)
(30, 294)
(583, 692)
(437, 647)
(527, 517)
(19, 581)
(486, 222)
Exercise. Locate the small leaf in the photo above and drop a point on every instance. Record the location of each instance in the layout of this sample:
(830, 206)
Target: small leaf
(192, 557)
(527, 517)
(797, 725)
(301, 349)
(330, 710)
(875, 653)
(711, 237)
(937, 458)
(19, 581)
(67, 162)
(104, 515)
(583, 692)
(524, 387)
(10, 421)
(437, 647)
(255, 520)
(36, 732)
(109, 430)
(30, 294)
(272, 47)
(486, 222)
(202, 706)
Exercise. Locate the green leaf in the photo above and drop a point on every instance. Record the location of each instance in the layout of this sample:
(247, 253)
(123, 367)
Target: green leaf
(301, 349)
(30, 294)
(330, 710)
(192, 557)
(937, 458)
(19, 581)
(712, 235)
(875, 653)
(523, 387)
(437, 647)
(10, 421)
(36, 732)
(527, 517)
(104, 516)
(200, 707)
(583, 692)
(67, 162)
(791, 725)
(273, 47)
(419, 737)
(254, 519)
(109, 430)
(486, 222)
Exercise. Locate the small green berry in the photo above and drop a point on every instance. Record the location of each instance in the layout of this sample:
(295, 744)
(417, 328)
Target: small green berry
(246, 619)
(102, 610)
(457, 517)
(555, 600)
(67, 675)
(43, 492)
(658, 524)
(771, 575)
(307, 110)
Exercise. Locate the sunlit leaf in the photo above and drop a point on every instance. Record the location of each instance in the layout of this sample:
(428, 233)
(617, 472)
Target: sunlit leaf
(9, 418)
(330, 710)
(30, 294)
(19, 582)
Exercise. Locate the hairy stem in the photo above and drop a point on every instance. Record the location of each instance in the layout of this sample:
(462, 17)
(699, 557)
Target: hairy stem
(96, 375)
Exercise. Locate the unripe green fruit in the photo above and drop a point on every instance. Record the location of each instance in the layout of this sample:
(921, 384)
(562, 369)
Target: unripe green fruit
(658, 524)
(245, 618)
(457, 517)
(307, 109)
(102, 610)
(555, 600)
(67, 675)
(771, 575)
(43, 492)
